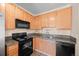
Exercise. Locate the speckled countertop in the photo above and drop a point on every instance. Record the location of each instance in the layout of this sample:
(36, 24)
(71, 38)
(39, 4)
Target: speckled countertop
(50, 37)
(9, 41)
(55, 37)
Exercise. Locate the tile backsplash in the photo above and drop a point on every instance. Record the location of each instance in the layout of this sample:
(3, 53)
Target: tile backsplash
(56, 31)
(44, 30)
(9, 32)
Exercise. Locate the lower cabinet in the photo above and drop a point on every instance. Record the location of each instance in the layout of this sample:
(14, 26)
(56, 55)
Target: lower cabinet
(12, 50)
(45, 46)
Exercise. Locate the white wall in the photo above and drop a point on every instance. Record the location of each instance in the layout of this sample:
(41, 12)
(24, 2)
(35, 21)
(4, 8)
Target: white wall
(2, 34)
(75, 25)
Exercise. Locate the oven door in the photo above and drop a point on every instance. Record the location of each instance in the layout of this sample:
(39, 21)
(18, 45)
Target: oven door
(27, 45)
(27, 48)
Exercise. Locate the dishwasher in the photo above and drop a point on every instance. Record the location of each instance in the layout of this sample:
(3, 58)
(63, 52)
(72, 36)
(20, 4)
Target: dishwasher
(65, 49)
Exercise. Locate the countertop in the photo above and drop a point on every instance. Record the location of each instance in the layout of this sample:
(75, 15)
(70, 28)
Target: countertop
(50, 37)
(9, 41)
(54, 37)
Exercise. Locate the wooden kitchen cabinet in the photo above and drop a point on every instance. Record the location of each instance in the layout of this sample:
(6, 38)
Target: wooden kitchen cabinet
(36, 23)
(30, 19)
(47, 20)
(44, 20)
(33, 24)
(27, 17)
(64, 17)
(10, 16)
(60, 19)
(45, 46)
(14, 12)
(34, 44)
(12, 50)
(52, 19)
(19, 14)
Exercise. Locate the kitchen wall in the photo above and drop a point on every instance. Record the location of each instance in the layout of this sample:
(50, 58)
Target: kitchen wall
(75, 26)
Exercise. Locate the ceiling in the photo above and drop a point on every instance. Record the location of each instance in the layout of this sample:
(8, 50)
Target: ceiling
(37, 8)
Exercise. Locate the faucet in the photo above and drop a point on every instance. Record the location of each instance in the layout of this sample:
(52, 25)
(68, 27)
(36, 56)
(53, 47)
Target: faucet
(47, 32)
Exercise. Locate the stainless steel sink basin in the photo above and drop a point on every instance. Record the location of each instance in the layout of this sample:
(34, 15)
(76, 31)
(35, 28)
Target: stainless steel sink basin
(47, 36)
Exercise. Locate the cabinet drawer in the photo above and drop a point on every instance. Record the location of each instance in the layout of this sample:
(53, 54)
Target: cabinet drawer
(13, 47)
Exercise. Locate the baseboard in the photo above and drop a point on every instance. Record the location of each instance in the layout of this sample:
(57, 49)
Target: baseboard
(41, 52)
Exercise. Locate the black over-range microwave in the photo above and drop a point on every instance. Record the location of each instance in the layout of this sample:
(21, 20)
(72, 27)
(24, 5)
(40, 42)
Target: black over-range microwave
(22, 24)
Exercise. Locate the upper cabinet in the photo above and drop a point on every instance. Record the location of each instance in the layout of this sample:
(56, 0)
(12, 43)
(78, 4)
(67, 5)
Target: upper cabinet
(52, 19)
(28, 17)
(10, 16)
(47, 20)
(14, 12)
(60, 19)
(44, 20)
(19, 14)
(36, 23)
(64, 17)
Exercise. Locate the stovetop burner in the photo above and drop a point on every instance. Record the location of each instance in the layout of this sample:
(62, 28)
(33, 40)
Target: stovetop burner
(19, 36)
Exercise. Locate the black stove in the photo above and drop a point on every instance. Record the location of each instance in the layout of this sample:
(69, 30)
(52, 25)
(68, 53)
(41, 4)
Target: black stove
(25, 43)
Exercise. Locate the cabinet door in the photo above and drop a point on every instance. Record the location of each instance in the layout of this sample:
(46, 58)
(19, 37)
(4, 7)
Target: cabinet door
(45, 46)
(49, 47)
(34, 43)
(63, 20)
(38, 22)
(19, 13)
(10, 16)
(44, 19)
(51, 19)
(28, 17)
(33, 23)
(12, 50)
